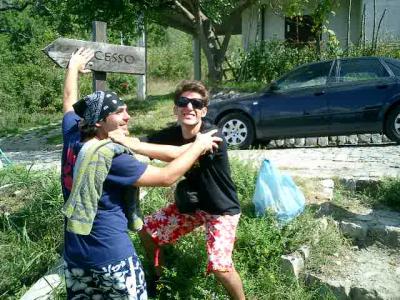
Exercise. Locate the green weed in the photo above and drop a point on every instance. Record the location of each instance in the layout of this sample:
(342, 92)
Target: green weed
(385, 192)
(31, 231)
(260, 243)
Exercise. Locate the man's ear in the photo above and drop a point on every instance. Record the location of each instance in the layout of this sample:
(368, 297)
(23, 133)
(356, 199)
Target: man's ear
(203, 112)
(98, 124)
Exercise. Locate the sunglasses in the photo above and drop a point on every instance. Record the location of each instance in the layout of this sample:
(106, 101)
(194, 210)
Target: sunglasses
(183, 102)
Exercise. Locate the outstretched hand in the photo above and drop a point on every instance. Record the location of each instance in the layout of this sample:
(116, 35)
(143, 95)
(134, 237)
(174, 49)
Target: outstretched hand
(80, 58)
(119, 136)
(208, 141)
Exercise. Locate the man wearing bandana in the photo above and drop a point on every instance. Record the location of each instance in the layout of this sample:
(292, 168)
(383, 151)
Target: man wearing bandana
(100, 260)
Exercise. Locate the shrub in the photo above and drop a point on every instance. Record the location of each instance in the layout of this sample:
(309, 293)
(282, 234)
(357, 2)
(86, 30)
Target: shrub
(122, 84)
(268, 60)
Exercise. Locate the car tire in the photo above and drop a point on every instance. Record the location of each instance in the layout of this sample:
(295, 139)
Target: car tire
(392, 125)
(237, 129)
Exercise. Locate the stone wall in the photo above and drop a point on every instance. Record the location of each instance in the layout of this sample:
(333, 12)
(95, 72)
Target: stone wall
(355, 139)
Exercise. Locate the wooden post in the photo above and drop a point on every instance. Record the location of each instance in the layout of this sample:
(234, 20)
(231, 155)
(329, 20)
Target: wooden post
(99, 35)
(141, 90)
(196, 58)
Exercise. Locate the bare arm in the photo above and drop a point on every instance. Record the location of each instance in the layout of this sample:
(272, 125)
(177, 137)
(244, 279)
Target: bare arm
(154, 176)
(162, 152)
(76, 65)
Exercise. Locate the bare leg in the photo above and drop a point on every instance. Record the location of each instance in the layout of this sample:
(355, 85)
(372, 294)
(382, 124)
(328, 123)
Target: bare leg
(150, 248)
(232, 283)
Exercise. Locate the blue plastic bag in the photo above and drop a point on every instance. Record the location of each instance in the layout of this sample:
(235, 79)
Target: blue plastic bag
(277, 192)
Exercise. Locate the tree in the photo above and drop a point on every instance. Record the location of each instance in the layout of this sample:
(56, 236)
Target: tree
(202, 19)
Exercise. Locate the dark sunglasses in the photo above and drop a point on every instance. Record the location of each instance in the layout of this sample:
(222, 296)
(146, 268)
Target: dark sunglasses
(183, 102)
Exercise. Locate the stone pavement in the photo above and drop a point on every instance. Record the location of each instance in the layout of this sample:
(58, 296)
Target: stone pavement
(359, 162)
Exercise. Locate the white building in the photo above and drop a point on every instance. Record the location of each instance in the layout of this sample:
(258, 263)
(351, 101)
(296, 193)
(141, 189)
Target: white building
(261, 23)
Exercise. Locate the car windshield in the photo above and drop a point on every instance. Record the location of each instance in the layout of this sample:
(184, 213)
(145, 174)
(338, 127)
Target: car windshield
(306, 76)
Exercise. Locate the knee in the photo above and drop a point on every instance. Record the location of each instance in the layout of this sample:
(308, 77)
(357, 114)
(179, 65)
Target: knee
(224, 274)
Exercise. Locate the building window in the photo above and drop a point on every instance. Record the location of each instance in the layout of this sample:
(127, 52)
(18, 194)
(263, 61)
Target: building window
(298, 29)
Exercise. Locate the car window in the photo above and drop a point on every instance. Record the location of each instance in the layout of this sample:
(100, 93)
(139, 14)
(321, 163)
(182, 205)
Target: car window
(360, 70)
(310, 75)
(394, 65)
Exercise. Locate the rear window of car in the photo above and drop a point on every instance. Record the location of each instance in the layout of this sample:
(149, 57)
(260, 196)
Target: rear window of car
(394, 65)
(361, 69)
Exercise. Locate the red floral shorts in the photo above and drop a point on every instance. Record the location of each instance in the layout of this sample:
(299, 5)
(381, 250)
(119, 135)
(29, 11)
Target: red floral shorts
(167, 225)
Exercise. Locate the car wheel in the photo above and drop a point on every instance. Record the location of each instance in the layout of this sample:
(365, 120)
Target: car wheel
(237, 129)
(392, 125)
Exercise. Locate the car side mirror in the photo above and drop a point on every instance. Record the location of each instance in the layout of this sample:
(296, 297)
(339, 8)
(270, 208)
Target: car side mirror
(273, 86)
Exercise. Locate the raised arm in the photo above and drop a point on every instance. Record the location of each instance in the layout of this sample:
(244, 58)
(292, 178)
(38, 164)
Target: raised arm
(76, 65)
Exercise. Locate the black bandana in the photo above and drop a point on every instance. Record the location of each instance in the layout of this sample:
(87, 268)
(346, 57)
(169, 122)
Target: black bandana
(97, 106)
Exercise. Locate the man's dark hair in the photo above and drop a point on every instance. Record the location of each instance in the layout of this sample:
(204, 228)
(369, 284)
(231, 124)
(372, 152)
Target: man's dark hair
(87, 131)
(192, 86)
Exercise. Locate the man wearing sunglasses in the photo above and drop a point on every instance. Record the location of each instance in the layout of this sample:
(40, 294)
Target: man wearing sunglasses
(217, 208)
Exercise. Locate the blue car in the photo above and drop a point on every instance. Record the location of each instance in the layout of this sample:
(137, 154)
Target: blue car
(329, 98)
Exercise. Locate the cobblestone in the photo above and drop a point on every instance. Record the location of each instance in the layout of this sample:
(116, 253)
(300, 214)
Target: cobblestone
(361, 162)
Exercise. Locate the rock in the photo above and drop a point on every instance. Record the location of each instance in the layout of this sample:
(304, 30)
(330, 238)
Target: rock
(364, 138)
(305, 252)
(332, 140)
(292, 264)
(16, 193)
(358, 293)
(340, 289)
(342, 140)
(299, 142)
(289, 142)
(323, 141)
(385, 139)
(311, 141)
(355, 230)
(353, 139)
(280, 143)
(376, 138)
(43, 288)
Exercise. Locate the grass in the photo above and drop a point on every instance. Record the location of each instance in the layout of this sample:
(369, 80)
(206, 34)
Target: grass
(31, 237)
(382, 194)
(260, 243)
(30, 227)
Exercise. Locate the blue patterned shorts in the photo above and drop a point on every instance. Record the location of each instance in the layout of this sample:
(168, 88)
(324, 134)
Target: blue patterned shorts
(123, 280)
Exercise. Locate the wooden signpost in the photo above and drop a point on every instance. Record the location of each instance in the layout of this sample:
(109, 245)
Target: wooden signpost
(107, 57)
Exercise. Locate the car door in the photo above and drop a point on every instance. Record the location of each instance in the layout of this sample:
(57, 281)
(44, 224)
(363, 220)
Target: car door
(357, 95)
(297, 105)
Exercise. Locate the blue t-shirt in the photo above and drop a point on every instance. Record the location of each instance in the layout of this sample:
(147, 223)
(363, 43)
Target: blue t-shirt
(108, 241)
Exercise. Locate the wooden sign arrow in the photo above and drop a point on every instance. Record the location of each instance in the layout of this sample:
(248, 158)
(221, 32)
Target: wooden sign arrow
(107, 57)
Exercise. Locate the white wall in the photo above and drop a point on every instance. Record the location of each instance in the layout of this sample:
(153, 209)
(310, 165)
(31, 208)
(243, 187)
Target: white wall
(338, 22)
(390, 28)
(274, 25)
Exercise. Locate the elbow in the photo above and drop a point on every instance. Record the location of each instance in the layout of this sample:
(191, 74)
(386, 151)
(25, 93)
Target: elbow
(168, 181)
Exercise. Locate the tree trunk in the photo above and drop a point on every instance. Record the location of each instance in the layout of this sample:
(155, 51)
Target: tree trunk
(348, 28)
(213, 50)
